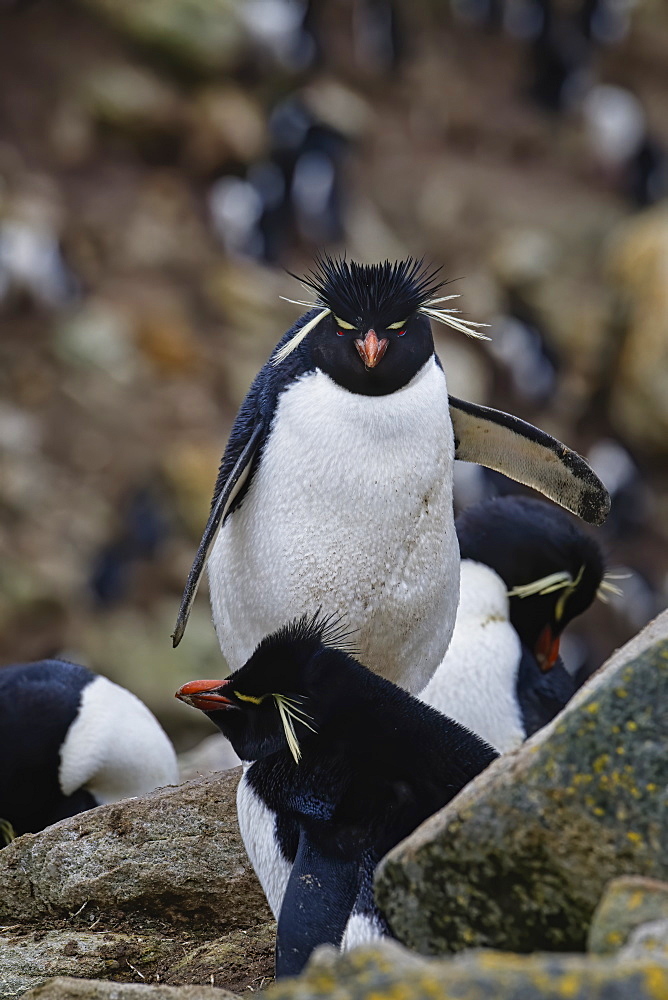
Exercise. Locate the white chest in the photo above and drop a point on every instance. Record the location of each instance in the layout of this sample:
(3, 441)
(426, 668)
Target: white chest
(115, 748)
(350, 511)
(476, 682)
(257, 827)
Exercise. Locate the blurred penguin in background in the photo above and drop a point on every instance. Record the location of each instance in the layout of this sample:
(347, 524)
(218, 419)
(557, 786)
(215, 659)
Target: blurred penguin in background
(71, 740)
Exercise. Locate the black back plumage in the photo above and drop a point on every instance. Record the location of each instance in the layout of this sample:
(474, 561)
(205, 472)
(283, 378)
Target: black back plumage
(375, 762)
(523, 540)
(38, 704)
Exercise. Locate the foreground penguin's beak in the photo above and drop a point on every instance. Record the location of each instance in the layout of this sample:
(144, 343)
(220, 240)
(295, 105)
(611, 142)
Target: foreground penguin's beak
(205, 695)
(547, 649)
(371, 349)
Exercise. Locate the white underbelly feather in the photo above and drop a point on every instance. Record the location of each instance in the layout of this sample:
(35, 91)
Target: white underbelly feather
(350, 511)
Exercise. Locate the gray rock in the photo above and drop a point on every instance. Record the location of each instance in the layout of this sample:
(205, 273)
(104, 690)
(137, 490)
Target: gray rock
(65, 988)
(519, 859)
(626, 904)
(30, 958)
(385, 970)
(175, 855)
(647, 941)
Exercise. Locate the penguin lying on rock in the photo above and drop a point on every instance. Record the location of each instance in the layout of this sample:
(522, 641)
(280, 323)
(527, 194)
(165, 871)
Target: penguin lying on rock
(335, 490)
(349, 764)
(527, 570)
(70, 740)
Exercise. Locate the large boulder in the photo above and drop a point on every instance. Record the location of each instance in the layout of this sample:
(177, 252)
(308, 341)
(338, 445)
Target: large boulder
(627, 903)
(386, 970)
(154, 887)
(520, 858)
(175, 855)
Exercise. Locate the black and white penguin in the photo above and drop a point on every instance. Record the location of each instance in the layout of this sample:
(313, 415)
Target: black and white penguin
(347, 762)
(70, 740)
(527, 570)
(335, 490)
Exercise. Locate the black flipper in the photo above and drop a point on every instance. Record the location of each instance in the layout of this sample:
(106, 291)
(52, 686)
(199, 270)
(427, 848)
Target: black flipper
(318, 901)
(528, 455)
(226, 497)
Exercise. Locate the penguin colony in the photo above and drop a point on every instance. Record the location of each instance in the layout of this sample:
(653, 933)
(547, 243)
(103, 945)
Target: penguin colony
(333, 504)
(331, 532)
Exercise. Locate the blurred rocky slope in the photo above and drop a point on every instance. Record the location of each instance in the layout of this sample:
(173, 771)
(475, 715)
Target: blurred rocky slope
(161, 161)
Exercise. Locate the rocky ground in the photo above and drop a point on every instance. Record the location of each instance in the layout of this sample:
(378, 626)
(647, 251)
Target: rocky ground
(559, 850)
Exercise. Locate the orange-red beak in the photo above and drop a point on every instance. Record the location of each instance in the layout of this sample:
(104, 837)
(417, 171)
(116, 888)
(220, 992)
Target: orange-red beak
(547, 649)
(205, 695)
(371, 349)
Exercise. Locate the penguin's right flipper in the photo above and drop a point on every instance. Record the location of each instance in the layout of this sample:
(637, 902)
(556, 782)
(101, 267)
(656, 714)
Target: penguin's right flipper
(318, 901)
(528, 455)
(226, 496)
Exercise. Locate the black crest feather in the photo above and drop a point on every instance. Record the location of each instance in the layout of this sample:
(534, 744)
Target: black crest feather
(372, 294)
(317, 629)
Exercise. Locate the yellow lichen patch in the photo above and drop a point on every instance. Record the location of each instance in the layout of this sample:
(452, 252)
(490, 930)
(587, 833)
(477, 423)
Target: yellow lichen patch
(601, 762)
(651, 787)
(569, 985)
(656, 982)
(593, 707)
(615, 939)
(621, 692)
(631, 726)
(635, 838)
(620, 751)
(581, 779)
(635, 899)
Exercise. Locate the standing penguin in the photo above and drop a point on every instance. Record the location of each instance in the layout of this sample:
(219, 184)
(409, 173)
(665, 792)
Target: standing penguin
(527, 570)
(349, 764)
(70, 740)
(335, 490)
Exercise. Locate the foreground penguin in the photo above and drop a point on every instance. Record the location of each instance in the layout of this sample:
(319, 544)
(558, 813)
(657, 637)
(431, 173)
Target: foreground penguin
(71, 740)
(335, 490)
(527, 570)
(349, 764)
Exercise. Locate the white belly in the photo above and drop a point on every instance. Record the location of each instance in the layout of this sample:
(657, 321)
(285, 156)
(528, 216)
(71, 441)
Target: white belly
(257, 828)
(350, 511)
(476, 682)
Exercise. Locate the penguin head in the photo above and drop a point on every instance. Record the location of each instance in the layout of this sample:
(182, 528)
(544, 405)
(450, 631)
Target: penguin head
(371, 332)
(280, 696)
(550, 566)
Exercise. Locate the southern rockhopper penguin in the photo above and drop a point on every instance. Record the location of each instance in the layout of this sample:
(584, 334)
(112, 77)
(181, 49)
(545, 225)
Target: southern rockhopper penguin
(335, 490)
(70, 740)
(348, 763)
(527, 570)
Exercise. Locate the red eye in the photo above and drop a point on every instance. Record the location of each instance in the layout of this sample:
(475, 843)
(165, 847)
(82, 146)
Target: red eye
(401, 333)
(340, 333)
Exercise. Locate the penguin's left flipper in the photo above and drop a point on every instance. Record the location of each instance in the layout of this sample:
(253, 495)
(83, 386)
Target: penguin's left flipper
(226, 497)
(318, 901)
(528, 455)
